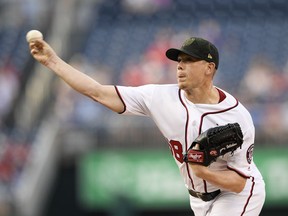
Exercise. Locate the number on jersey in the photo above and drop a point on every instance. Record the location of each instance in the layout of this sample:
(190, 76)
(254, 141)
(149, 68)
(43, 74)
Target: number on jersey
(177, 150)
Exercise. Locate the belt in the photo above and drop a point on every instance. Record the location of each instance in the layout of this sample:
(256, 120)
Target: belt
(205, 196)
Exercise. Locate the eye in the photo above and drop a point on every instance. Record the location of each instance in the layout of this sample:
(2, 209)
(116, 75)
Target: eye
(190, 59)
(186, 59)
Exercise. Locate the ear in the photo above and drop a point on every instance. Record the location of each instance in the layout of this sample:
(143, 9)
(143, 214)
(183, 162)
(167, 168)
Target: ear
(211, 68)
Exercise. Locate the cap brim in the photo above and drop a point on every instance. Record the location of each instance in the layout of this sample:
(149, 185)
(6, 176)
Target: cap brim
(173, 53)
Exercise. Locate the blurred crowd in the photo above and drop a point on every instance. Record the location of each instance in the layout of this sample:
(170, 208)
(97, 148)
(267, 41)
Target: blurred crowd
(16, 17)
(253, 60)
(123, 42)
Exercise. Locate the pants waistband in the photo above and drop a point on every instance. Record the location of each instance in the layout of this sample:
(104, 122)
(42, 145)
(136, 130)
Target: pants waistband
(205, 196)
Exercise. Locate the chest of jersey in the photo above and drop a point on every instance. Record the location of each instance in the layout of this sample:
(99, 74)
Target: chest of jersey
(181, 121)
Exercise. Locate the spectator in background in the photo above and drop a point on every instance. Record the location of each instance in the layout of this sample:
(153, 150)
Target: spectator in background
(9, 84)
(153, 66)
(145, 6)
(264, 90)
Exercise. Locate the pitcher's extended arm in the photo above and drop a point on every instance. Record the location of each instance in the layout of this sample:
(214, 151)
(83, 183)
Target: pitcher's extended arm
(104, 94)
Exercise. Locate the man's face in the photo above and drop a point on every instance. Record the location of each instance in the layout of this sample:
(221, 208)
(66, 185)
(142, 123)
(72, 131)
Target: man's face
(191, 72)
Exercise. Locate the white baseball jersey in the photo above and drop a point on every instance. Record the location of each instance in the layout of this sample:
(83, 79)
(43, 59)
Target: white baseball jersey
(181, 121)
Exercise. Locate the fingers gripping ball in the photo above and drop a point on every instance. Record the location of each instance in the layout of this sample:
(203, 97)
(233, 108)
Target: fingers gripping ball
(33, 35)
(214, 142)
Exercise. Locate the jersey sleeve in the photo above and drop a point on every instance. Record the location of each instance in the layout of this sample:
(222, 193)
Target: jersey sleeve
(137, 100)
(242, 158)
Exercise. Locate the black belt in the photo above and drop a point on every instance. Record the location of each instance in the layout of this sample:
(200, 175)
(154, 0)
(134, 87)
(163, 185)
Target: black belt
(204, 196)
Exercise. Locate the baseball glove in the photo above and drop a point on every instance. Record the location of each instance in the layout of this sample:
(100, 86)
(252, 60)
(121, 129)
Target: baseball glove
(213, 143)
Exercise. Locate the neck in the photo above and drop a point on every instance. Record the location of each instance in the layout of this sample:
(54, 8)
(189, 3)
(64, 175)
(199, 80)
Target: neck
(203, 96)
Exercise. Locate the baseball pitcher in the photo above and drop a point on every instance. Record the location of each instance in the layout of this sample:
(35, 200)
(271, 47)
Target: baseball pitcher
(209, 132)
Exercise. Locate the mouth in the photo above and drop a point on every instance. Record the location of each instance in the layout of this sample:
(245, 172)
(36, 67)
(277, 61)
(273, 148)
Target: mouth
(181, 78)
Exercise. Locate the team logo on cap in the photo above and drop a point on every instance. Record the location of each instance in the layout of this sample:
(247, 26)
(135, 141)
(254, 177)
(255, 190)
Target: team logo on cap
(209, 56)
(188, 42)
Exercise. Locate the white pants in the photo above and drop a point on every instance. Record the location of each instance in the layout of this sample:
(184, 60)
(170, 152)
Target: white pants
(247, 203)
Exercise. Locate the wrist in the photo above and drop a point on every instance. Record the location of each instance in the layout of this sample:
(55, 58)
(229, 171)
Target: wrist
(52, 61)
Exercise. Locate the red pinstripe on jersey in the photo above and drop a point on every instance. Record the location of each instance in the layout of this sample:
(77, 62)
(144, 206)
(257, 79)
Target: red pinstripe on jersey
(248, 199)
(186, 135)
(119, 95)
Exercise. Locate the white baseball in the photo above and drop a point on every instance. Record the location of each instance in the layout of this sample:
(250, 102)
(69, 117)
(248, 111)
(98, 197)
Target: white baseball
(33, 35)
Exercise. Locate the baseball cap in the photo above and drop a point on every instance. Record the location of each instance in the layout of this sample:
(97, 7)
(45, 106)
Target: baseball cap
(198, 48)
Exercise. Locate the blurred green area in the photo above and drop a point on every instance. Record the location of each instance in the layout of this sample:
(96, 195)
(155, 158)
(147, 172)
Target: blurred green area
(151, 179)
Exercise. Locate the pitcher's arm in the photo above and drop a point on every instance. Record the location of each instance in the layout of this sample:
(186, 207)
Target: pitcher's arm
(104, 94)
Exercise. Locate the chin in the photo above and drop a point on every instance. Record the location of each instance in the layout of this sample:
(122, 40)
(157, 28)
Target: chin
(181, 86)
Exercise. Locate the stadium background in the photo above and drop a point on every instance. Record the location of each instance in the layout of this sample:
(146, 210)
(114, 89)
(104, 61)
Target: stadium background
(53, 141)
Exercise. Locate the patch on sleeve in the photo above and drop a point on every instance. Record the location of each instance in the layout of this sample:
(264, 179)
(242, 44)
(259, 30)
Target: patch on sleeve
(249, 153)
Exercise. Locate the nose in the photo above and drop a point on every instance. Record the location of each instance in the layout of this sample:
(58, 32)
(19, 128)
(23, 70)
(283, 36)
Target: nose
(179, 66)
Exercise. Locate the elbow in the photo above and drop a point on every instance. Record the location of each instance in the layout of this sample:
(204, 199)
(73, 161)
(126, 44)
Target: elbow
(238, 190)
(92, 92)
(240, 186)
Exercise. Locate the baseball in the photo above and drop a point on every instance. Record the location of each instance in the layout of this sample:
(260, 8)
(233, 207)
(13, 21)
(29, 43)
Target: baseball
(33, 35)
